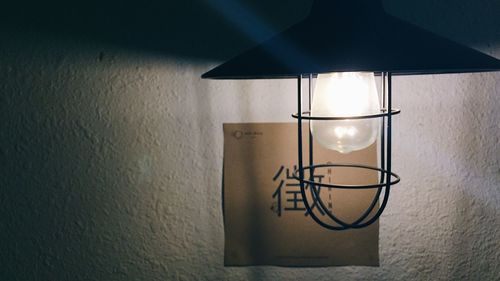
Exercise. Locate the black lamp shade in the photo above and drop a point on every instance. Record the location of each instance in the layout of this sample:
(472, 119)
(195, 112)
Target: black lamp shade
(353, 35)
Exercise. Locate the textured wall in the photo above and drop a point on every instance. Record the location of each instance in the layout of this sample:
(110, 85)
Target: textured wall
(111, 162)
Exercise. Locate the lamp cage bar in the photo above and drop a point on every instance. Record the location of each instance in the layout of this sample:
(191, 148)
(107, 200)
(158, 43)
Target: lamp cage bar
(386, 175)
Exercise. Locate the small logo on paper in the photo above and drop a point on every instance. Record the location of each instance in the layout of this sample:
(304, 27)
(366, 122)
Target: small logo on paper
(237, 134)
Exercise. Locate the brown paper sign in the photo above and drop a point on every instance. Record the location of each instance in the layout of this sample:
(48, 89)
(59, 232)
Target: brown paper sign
(265, 222)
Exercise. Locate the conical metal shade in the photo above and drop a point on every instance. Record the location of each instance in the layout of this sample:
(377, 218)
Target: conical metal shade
(353, 35)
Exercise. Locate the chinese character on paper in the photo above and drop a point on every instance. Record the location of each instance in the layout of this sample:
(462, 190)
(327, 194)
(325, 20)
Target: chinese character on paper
(287, 194)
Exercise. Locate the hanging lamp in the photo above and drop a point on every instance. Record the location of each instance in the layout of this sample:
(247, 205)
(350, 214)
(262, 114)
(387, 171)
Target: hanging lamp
(343, 45)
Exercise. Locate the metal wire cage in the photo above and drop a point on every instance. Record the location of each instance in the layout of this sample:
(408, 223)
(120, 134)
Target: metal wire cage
(386, 177)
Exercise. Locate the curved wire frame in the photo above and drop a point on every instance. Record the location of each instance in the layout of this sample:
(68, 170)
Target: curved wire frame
(384, 113)
(385, 159)
(396, 179)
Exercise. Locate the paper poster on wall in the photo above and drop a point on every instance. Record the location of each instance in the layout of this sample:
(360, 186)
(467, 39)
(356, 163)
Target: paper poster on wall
(265, 222)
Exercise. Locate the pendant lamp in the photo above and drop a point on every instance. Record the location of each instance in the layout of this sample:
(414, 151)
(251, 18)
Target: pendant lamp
(340, 47)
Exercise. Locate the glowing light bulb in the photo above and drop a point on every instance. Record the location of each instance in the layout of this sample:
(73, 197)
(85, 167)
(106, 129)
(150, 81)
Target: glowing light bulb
(343, 95)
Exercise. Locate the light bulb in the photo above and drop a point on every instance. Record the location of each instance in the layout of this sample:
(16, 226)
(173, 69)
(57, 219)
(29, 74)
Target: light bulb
(343, 95)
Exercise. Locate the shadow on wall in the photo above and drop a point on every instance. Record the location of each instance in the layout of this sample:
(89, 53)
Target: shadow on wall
(219, 29)
(99, 129)
(196, 29)
(473, 23)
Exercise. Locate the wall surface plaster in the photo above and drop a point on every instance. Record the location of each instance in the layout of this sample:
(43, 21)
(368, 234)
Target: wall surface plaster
(111, 165)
